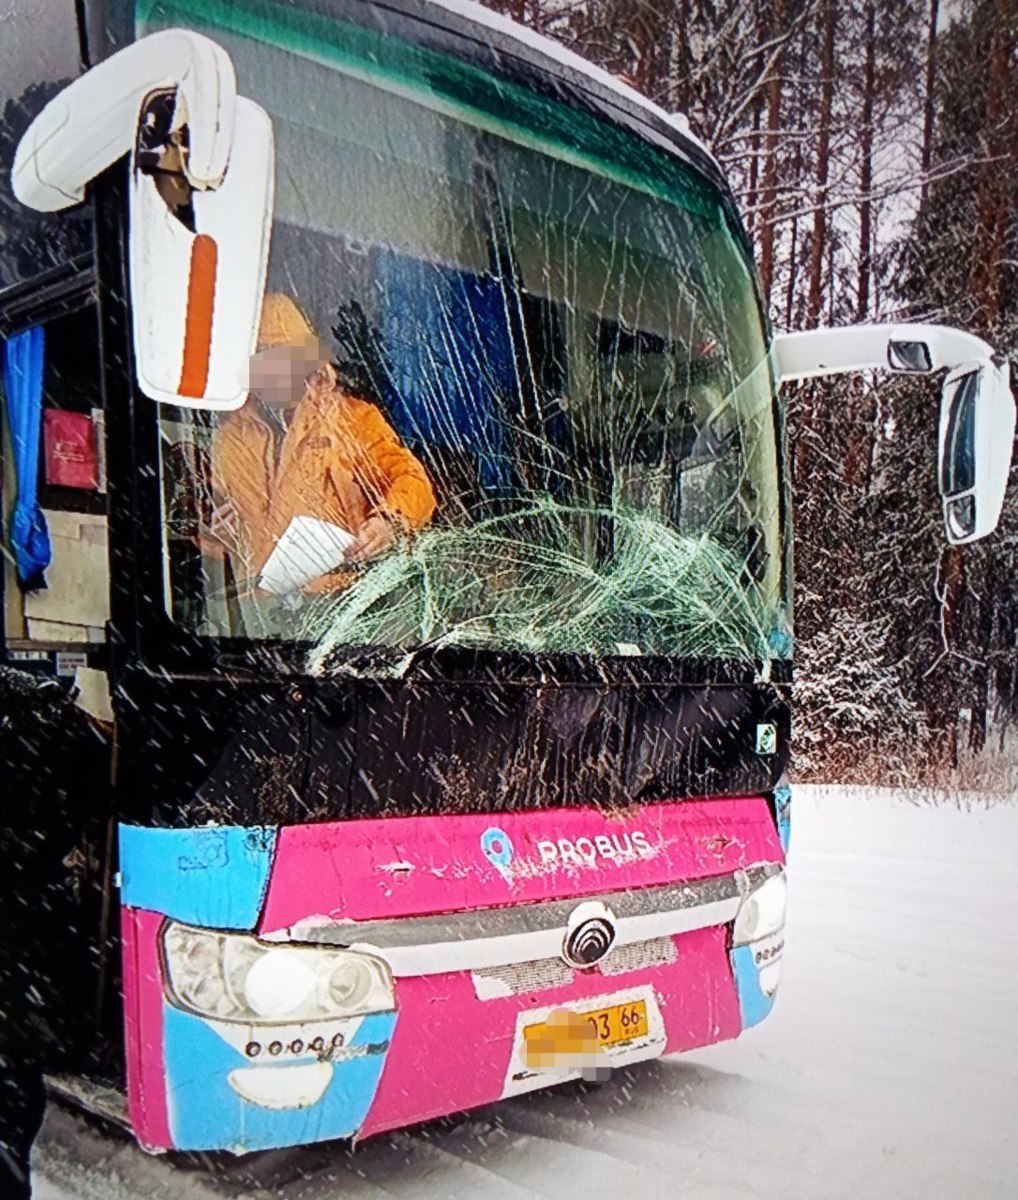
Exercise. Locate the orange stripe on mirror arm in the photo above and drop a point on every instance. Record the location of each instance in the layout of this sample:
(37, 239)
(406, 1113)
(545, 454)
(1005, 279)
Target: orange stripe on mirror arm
(201, 292)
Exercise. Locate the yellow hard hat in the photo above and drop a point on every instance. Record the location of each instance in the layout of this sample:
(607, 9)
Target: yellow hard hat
(282, 323)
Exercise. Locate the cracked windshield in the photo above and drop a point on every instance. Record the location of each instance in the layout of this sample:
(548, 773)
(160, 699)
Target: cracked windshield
(510, 390)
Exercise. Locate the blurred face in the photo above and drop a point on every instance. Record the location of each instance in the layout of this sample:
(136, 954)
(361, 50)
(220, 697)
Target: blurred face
(280, 375)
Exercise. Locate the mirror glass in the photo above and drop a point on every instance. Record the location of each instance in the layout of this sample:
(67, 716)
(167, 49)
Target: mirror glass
(958, 463)
(977, 423)
(914, 357)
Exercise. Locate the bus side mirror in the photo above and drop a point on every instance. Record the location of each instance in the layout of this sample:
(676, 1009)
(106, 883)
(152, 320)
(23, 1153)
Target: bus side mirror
(198, 258)
(91, 123)
(977, 424)
(200, 205)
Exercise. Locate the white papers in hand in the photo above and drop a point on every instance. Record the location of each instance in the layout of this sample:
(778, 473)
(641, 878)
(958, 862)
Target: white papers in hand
(307, 549)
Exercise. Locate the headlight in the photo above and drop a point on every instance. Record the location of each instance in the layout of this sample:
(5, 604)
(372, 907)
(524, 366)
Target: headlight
(234, 977)
(762, 912)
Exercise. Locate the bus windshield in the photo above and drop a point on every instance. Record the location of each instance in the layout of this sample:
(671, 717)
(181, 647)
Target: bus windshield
(551, 383)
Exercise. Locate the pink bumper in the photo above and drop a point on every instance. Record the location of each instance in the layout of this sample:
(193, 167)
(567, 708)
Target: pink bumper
(455, 1039)
(452, 1051)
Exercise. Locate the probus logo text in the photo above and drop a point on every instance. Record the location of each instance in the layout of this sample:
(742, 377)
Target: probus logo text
(585, 851)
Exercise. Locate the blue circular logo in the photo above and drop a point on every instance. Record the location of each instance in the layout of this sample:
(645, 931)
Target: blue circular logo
(497, 847)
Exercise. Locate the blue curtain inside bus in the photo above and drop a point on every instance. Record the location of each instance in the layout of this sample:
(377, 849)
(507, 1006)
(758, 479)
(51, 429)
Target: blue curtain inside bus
(24, 356)
(451, 361)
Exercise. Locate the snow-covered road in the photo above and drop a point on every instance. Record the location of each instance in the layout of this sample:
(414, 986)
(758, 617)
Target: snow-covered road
(889, 1067)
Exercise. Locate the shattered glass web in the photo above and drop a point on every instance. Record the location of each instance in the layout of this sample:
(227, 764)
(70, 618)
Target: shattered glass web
(524, 582)
(577, 363)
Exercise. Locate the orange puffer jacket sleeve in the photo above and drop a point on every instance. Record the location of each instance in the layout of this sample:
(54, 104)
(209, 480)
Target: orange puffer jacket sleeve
(242, 473)
(406, 492)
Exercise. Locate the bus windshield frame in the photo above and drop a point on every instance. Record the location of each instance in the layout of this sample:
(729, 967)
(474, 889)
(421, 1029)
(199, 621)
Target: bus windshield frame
(515, 197)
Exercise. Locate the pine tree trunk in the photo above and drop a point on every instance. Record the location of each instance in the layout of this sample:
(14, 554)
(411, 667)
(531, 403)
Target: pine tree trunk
(793, 253)
(994, 197)
(830, 281)
(752, 194)
(928, 107)
(952, 576)
(866, 165)
(644, 30)
(679, 59)
(769, 181)
(823, 167)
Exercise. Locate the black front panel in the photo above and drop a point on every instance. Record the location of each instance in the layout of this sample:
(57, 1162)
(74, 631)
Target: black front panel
(246, 752)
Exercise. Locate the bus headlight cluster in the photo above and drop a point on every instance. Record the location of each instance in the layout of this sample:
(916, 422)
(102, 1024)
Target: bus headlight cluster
(234, 977)
(762, 912)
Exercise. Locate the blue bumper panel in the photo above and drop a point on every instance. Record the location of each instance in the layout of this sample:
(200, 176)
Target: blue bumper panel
(783, 815)
(207, 1114)
(753, 1003)
(214, 877)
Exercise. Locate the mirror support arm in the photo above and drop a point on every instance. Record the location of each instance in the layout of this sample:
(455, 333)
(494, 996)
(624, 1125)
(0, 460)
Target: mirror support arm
(817, 352)
(94, 120)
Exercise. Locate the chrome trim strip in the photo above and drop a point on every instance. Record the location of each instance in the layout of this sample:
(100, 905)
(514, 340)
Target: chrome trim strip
(495, 937)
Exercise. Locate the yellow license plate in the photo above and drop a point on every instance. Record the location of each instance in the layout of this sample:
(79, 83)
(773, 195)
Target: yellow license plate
(566, 1037)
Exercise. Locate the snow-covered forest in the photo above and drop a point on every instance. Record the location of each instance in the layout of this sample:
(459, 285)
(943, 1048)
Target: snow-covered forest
(873, 148)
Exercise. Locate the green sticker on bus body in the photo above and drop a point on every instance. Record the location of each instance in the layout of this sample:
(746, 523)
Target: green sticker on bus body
(766, 739)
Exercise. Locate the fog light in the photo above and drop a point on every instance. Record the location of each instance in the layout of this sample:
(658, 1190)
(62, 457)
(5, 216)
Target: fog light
(297, 1086)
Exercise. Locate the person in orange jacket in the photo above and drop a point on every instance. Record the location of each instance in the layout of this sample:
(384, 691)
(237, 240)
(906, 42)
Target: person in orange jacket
(302, 446)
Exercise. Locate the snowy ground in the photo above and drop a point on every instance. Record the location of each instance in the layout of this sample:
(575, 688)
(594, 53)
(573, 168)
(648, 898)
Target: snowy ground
(889, 1067)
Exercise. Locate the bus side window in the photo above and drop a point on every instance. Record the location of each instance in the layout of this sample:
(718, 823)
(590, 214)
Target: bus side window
(69, 614)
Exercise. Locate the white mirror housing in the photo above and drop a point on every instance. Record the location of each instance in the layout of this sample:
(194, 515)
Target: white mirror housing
(92, 122)
(201, 192)
(977, 424)
(197, 269)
